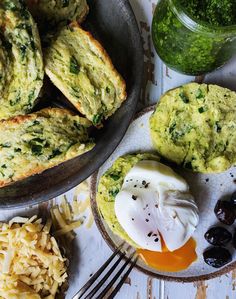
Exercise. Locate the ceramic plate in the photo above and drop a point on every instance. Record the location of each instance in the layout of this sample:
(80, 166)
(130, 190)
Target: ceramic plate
(206, 188)
(114, 25)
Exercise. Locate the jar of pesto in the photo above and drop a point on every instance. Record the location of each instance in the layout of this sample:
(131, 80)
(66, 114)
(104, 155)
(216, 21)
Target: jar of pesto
(195, 36)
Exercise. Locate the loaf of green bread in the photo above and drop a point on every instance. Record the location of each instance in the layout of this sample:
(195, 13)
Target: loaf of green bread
(78, 65)
(21, 63)
(30, 144)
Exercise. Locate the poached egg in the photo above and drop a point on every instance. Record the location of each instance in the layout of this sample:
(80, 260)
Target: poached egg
(155, 207)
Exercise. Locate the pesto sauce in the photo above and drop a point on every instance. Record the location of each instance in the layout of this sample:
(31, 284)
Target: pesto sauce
(191, 51)
(213, 12)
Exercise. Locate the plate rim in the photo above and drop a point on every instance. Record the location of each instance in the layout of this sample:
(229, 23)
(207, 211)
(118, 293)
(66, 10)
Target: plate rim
(186, 279)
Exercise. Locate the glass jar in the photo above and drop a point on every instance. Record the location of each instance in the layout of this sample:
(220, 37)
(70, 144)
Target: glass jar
(188, 46)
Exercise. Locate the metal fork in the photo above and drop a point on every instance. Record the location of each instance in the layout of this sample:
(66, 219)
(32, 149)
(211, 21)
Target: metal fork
(91, 288)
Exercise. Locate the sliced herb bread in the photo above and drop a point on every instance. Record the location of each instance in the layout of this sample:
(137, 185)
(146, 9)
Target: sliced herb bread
(78, 65)
(32, 143)
(195, 126)
(52, 13)
(21, 63)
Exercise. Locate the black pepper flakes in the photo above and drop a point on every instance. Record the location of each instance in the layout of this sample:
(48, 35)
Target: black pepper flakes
(207, 180)
(135, 186)
(147, 220)
(132, 219)
(134, 197)
(149, 234)
(144, 183)
(149, 214)
(156, 240)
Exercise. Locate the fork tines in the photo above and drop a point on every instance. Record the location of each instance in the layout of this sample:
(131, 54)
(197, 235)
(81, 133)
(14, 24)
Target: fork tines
(106, 277)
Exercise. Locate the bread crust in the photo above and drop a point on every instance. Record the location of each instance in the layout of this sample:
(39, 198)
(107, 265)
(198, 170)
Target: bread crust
(44, 112)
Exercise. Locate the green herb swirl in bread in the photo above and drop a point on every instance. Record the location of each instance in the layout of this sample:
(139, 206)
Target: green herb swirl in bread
(21, 64)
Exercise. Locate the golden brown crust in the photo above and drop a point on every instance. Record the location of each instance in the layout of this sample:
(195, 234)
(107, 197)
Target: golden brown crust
(15, 119)
(37, 170)
(83, 15)
(46, 111)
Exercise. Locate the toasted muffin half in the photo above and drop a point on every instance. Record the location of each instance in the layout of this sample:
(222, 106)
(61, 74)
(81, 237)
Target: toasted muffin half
(110, 185)
(30, 144)
(21, 63)
(79, 66)
(195, 126)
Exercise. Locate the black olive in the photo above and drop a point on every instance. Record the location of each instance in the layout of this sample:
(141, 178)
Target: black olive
(234, 239)
(217, 256)
(233, 199)
(224, 211)
(218, 236)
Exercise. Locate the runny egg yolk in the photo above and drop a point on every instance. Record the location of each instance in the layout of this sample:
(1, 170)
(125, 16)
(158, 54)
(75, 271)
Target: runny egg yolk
(168, 261)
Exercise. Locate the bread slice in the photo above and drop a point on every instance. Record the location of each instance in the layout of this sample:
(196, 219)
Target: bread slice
(79, 66)
(110, 185)
(32, 143)
(51, 13)
(194, 125)
(21, 62)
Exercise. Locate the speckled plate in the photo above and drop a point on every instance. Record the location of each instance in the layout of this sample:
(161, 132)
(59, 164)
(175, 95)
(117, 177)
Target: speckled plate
(206, 188)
